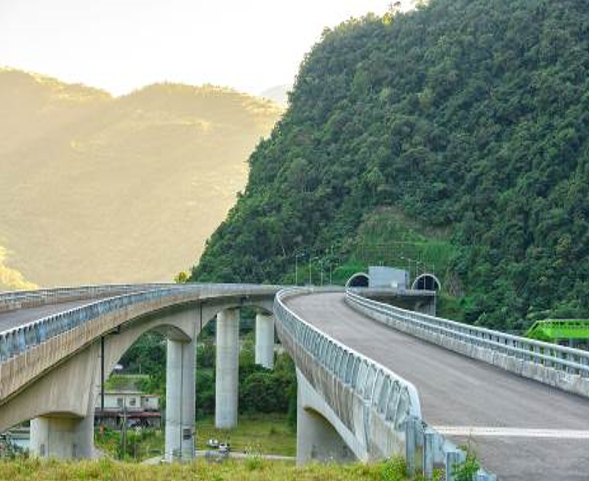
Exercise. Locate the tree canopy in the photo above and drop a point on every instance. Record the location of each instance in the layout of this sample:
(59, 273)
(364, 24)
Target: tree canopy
(468, 115)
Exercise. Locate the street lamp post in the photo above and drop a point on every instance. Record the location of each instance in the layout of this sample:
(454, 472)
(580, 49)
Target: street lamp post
(331, 265)
(297, 267)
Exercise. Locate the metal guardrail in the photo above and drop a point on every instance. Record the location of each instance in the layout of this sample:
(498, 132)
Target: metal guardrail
(567, 359)
(394, 398)
(11, 300)
(17, 340)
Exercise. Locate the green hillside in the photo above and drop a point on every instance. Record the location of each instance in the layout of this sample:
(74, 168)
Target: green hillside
(468, 122)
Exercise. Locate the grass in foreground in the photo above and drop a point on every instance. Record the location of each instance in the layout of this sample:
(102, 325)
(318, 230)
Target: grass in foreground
(253, 469)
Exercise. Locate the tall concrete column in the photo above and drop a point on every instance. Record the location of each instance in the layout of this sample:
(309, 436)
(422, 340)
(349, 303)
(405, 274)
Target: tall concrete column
(317, 439)
(180, 400)
(265, 340)
(227, 369)
(62, 437)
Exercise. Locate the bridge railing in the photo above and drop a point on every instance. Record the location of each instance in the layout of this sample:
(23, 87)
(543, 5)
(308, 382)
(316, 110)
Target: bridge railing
(393, 398)
(11, 300)
(560, 358)
(396, 398)
(17, 340)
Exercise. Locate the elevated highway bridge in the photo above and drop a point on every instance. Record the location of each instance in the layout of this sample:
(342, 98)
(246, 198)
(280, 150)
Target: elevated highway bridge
(374, 380)
(520, 428)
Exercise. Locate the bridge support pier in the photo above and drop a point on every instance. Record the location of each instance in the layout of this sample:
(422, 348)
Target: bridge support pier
(265, 340)
(317, 439)
(180, 400)
(62, 437)
(227, 369)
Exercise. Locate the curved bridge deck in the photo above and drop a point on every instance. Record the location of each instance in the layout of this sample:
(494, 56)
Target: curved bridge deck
(520, 429)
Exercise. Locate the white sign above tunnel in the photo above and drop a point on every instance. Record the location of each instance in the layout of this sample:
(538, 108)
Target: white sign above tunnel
(380, 277)
(383, 276)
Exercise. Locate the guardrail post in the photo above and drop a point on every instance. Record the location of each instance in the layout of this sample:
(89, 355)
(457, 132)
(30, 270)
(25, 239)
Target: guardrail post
(410, 444)
(428, 454)
(454, 459)
(585, 362)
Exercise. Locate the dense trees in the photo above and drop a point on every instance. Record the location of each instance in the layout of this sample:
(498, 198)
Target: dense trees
(467, 114)
(260, 390)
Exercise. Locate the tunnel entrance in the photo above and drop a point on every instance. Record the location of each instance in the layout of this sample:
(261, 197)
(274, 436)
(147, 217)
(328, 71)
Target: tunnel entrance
(426, 282)
(360, 279)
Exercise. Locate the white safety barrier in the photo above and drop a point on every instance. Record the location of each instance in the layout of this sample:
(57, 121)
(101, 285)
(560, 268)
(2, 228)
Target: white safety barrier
(560, 366)
(388, 395)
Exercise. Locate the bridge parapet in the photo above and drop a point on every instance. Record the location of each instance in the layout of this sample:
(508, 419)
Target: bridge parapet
(375, 411)
(20, 339)
(12, 300)
(558, 366)
(364, 395)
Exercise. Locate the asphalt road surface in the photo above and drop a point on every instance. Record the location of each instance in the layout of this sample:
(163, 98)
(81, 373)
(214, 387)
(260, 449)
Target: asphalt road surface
(519, 429)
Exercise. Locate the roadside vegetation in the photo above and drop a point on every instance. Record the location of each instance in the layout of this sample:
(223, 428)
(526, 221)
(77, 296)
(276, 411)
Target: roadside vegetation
(251, 469)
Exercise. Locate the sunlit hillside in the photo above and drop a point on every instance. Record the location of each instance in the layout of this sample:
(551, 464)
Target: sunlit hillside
(101, 189)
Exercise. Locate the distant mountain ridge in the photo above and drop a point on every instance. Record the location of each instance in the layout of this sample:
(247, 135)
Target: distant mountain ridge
(95, 188)
(278, 94)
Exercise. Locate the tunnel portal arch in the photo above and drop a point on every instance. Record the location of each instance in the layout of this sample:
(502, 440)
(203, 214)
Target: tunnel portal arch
(426, 282)
(360, 279)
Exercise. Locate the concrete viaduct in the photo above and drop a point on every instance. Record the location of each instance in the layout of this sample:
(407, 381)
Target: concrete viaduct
(373, 380)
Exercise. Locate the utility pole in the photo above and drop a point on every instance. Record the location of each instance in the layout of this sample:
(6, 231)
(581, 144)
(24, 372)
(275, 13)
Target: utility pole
(102, 384)
(331, 265)
(310, 270)
(124, 430)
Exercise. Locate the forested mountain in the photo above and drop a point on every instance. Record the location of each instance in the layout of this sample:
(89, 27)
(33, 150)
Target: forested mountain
(99, 189)
(469, 118)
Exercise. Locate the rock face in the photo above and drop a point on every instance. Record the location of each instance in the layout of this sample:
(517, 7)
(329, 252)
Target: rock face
(97, 189)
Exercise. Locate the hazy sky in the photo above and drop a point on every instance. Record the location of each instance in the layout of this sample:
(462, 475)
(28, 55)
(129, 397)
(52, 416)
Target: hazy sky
(120, 45)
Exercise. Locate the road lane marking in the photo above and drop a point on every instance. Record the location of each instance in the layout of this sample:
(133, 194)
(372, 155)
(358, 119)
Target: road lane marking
(474, 431)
